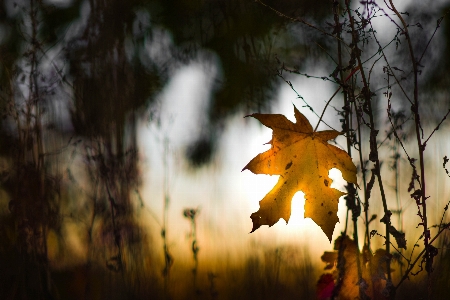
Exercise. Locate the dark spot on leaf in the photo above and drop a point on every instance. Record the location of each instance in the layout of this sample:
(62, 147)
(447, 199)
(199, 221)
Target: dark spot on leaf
(326, 182)
(285, 182)
(329, 213)
(295, 156)
(321, 204)
(288, 165)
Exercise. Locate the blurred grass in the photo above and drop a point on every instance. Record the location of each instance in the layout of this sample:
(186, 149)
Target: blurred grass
(280, 273)
(262, 272)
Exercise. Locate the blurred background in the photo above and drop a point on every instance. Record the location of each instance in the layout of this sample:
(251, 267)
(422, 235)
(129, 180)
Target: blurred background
(123, 137)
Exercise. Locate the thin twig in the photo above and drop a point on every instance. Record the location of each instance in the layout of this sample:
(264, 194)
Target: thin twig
(373, 132)
(406, 275)
(325, 108)
(421, 148)
(329, 55)
(394, 129)
(438, 25)
(389, 66)
(303, 99)
(328, 102)
(437, 128)
(293, 71)
(393, 246)
(301, 20)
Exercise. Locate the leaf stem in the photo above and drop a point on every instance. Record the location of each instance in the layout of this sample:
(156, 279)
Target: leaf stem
(325, 108)
(328, 102)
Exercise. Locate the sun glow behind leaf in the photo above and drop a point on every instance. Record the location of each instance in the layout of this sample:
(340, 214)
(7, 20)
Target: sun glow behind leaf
(256, 187)
(259, 186)
(311, 157)
(224, 195)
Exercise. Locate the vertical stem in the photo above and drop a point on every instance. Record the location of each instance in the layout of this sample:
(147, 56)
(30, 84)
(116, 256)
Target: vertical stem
(363, 171)
(194, 251)
(421, 148)
(351, 199)
(397, 194)
(40, 234)
(367, 96)
(167, 256)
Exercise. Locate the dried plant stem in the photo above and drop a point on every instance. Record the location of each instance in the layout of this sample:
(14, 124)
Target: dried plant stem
(421, 148)
(300, 20)
(363, 171)
(367, 96)
(325, 108)
(413, 264)
(191, 214)
(399, 212)
(351, 196)
(168, 260)
(436, 128)
(334, 94)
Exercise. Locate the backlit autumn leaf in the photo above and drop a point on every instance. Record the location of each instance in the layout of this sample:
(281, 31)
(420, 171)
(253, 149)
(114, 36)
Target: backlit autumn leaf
(303, 159)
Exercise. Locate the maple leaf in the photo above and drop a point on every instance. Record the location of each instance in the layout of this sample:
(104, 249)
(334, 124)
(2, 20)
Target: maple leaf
(303, 159)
